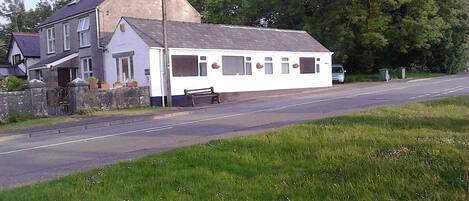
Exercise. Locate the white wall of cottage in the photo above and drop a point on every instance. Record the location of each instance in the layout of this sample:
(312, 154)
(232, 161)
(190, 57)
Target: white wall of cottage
(146, 57)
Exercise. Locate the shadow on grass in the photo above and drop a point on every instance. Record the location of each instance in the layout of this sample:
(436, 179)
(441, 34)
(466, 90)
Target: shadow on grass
(394, 122)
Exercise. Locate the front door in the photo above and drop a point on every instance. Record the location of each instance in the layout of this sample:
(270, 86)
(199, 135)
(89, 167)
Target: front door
(63, 77)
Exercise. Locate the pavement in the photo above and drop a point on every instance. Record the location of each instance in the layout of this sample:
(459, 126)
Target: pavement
(59, 150)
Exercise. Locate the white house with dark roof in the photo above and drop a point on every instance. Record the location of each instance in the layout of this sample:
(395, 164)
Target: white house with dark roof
(229, 58)
(23, 52)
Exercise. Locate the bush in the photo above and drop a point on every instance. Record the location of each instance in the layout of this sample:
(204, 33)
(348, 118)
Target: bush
(12, 83)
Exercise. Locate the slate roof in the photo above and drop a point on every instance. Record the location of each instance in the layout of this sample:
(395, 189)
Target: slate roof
(212, 36)
(70, 10)
(28, 43)
(6, 70)
(51, 59)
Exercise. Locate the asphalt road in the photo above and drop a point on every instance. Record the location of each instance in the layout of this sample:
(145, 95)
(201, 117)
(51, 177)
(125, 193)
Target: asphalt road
(29, 160)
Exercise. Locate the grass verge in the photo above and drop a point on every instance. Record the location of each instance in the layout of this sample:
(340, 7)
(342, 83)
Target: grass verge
(35, 122)
(352, 78)
(30, 122)
(412, 152)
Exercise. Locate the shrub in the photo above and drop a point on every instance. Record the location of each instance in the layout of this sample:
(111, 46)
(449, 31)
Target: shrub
(12, 83)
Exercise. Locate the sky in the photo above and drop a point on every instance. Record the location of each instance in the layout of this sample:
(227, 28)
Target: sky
(29, 4)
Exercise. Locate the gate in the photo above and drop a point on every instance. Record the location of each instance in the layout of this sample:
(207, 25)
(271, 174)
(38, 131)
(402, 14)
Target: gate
(58, 101)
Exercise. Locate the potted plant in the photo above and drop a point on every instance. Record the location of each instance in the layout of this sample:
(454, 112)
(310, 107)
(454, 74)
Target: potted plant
(93, 83)
(117, 85)
(215, 65)
(131, 84)
(259, 66)
(103, 85)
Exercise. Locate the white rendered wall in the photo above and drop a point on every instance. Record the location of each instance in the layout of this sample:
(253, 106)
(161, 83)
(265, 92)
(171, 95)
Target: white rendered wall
(125, 42)
(258, 81)
(14, 51)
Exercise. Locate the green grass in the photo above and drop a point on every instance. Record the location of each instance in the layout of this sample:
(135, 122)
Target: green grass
(31, 122)
(352, 78)
(125, 112)
(412, 152)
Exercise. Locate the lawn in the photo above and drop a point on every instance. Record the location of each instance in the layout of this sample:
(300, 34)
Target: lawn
(351, 78)
(27, 121)
(413, 152)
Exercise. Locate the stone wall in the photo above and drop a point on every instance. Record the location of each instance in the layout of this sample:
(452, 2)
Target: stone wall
(32, 101)
(82, 98)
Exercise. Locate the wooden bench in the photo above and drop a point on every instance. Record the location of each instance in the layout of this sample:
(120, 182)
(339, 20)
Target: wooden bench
(192, 94)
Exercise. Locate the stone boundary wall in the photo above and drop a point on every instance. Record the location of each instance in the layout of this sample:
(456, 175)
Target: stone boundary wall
(34, 101)
(82, 98)
(31, 101)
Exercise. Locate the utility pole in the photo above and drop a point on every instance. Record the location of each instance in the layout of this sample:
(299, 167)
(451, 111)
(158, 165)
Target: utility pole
(167, 70)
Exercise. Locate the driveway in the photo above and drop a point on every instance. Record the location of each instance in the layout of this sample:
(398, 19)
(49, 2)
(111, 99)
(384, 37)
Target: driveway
(46, 157)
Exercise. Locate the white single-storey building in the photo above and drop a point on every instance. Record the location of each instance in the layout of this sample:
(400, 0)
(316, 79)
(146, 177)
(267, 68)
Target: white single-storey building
(228, 58)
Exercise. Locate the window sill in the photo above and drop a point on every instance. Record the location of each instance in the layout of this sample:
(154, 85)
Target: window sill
(83, 47)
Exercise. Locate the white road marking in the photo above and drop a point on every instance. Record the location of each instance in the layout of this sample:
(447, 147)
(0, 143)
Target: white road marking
(208, 119)
(420, 80)
(437, 93)
(81, 140)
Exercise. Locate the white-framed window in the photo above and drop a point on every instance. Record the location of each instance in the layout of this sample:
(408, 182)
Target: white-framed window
(87, 67)
(125, 69)
(269, 66)
(233, 65)
(66, 36)
(83, 30)
(202, 66)
(285, 65)
(318, 66)
(307, 65)
(16, 59)
(50, 40)
(248, 65)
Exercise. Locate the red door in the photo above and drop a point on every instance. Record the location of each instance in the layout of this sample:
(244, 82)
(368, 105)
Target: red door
(63, 77)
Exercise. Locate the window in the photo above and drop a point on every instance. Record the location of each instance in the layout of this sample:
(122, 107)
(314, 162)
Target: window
(285, 66)
(125, 69)
(318, 68)
(233, 65)
(51, 40)
(66, 36)
(16, 59)
(39, 75)
(307, 65)
(269, 66)
(185, 65)
(87, 67)
(203, 66)
(84, 31)
(248, 66)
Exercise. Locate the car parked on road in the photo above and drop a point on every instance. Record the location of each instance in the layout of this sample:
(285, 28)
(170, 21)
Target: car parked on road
(338, 73)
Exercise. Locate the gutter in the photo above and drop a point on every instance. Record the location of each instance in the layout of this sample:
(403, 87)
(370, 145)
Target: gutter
(66, 19)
